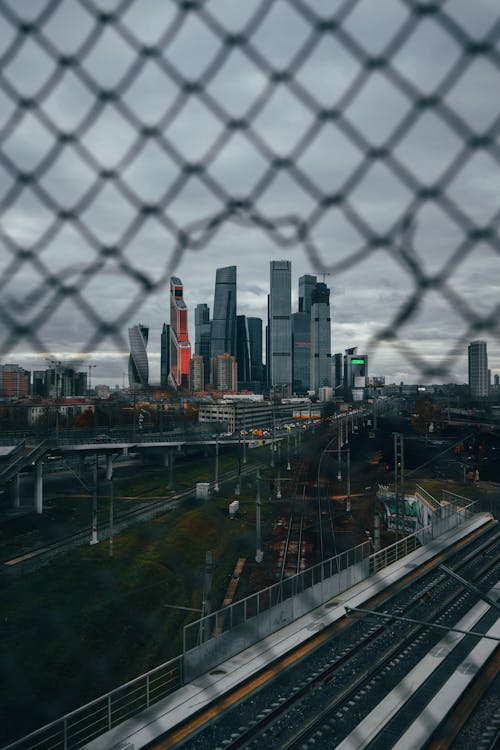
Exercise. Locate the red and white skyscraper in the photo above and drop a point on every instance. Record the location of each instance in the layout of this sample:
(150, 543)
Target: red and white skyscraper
(180, 348)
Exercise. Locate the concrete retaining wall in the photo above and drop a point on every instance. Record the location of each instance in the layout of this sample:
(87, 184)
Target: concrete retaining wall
(221, 647)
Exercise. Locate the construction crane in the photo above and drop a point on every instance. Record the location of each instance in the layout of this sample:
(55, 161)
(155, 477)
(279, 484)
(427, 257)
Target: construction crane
(89, 384)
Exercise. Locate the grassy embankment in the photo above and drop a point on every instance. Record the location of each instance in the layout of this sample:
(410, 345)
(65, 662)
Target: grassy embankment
(87, 622)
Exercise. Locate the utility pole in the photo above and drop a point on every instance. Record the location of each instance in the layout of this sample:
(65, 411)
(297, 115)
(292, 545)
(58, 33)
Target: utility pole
(399, 483)
(207, 596)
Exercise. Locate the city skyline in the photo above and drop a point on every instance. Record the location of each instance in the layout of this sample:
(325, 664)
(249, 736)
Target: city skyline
(155, 330)
(320, 192)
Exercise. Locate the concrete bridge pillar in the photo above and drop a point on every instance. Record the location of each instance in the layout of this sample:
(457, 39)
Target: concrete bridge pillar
(82, 465)
(109, 467)
(39, 487)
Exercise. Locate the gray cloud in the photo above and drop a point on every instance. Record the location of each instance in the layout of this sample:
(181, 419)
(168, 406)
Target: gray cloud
(366, 295)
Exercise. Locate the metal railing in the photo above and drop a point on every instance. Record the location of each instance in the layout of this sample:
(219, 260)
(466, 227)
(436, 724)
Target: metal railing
(237, 613)
(92, 720)
(427, 497)
(102, 714)
(401, 548)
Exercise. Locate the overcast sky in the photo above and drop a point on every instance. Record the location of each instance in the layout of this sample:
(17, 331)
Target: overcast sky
(68, 287)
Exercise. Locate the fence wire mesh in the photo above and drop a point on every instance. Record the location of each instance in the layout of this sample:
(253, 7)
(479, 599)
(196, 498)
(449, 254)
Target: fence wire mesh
(248, 104)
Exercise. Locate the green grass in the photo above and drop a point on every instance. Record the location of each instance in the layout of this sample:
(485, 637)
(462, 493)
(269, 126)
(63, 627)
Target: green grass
(88, 622)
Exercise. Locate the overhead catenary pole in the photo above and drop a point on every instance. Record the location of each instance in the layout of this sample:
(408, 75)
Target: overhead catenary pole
(258, 543)
(339, 449)
(216, 480)
(111, 517)
(171, 459)
(93, 538)
(237, 489)
(348, 500)
(272, 443)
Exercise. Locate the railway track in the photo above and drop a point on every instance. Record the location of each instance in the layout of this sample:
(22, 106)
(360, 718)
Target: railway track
(310, 523)
(26, 560)
(334, 697)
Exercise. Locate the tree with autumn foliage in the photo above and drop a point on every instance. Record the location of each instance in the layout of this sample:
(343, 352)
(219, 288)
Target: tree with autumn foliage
(426, 418)
(84, 420)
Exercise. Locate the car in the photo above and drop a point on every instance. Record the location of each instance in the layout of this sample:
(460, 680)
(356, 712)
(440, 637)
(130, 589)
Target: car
(102, 439)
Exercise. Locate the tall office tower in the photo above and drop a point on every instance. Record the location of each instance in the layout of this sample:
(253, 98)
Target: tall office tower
(39, 386)
(280, 327)
(321, 338)
(301, 348)
(180, 348)
(255, 340)
(197, 373)
(496, 380)
(478, 369)
(339, 370)
(223, 372)
(71, 382)
(243, 349)
(306, 287)
(202, 334)
(301, 336)
(223, 337)
(164, 355)
(14, 381)
(138, 368)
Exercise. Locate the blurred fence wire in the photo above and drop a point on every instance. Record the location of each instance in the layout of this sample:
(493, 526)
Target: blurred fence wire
(132, 132)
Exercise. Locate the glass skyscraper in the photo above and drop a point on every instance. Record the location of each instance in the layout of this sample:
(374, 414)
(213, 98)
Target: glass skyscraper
(280, 327)
(243, 349)
(255, 340)
(301, 341)
(223, 334)
(306, 287)
(478, 369)
(301, 335)
(321, 337)
(138, 368)
(202, 335)
(164, 355)
(180, 348)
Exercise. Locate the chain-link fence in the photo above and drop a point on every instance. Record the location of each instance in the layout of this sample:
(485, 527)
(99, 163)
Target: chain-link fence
(132, 132)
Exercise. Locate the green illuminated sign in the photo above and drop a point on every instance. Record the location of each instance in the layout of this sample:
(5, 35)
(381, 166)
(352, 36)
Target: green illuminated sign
(357, 361)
